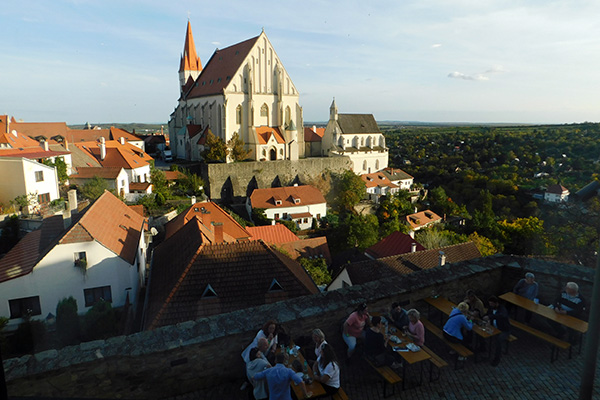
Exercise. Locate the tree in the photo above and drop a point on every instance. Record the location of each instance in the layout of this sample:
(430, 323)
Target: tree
(67, 321)
(94, 188)
(216, 150)
(524, 236)
(317, 269)
(61, 168)
(360, 231)
(236, 148)
(351, 190)
(100, 321)
(10, 233)
(190, 184)
(23, 201)
(259, 218)
(159, 183)
(484, 245)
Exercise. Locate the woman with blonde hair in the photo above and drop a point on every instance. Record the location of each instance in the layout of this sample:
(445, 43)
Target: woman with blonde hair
(458, 328)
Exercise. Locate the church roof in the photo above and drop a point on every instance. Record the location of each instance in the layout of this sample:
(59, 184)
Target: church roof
(357, 123)
(221, 68)
(189, 59)
(264, 134)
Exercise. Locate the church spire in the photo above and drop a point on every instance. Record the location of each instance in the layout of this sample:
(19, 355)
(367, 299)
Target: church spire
(189, 59)
(333, 111)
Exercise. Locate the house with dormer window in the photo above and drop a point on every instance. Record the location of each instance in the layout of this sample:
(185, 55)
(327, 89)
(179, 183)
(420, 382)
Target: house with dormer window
(301, 204)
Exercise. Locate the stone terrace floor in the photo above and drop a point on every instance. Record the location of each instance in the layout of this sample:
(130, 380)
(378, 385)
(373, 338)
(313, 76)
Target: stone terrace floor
(525, 373)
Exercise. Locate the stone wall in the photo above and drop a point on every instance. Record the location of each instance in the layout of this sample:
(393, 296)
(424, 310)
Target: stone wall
(231, 183)
(192, 355)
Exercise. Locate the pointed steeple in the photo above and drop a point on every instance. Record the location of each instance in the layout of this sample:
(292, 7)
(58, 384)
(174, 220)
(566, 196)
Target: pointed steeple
(333, 111)
(189, 59)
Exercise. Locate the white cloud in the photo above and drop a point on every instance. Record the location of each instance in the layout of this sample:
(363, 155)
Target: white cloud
(436, 45)
(475, 77)
(216, 43)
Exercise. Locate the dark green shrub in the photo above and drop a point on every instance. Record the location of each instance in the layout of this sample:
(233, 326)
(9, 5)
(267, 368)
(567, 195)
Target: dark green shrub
(67, 321)
(100, 322)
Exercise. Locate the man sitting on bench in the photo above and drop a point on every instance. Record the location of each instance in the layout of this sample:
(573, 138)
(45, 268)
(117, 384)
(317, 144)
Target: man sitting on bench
(459, 329)
(498, 316)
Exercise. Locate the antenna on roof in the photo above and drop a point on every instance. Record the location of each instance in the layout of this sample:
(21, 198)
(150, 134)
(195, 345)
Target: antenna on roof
(188, 13)
(263, 29)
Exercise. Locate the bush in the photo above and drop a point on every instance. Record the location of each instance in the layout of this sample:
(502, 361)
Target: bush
(28, 334)
(67, 321)
(100, 322)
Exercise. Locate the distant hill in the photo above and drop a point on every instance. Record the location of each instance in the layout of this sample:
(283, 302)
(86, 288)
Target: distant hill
(140, 129)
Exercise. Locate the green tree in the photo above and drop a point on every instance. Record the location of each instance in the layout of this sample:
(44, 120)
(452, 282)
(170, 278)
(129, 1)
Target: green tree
(160, 183)
(236, 148)
(94, 188)
(100, 321)
(317, 269)
(190, 184)
(23, 201)
(67, 321)
(61, 168)
(360, 231)
(10, 233)
(216, 149)
(259, 217)
(484, 245)
(524, 236)
(291, 225)
(351, 190)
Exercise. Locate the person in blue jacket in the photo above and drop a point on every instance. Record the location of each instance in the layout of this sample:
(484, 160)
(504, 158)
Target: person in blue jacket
(458, 328)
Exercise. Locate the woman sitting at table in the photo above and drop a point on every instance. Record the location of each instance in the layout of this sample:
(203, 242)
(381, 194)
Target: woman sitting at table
(376, 345)
(327, 370)
(319, 338)
(267, 332)
(354, 327)
(416, 330)
(459, 329)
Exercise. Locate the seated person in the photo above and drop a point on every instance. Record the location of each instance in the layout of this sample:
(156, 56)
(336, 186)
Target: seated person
(318, 338)
(527, 288)
(459, 329)
(497, 315)
(279, 378)
(376, 345)
(257, 363)
(476, 307)
(297, 367)
(354, 327)
(268, 331)
(327, 370)
(569, 302)
(398, 316)
(416, 330)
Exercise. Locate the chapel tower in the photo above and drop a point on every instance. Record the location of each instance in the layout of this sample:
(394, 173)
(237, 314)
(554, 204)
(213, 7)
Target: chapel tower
(190, 65)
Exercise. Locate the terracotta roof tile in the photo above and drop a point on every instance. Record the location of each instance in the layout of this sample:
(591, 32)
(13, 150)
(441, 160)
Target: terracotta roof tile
(264, 198)
(102, 172)
(272, 234)
(264, 134)
(45, 129)
(139, 186)
(377, 179)
(19, 141)
(307, 248)
(221, 68)
(21, 259)
(125, 155)
(231, 227)
(313, 135)
(239, 273)
(422, 218)
(189, 59)
(394, 244)
(174, 175)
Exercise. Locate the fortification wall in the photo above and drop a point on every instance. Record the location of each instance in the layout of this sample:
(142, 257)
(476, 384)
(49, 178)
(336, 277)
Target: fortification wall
(231, 183)
(189, 356)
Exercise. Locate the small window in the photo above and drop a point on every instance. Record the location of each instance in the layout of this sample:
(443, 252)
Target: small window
(296, 201)
(94, 295)
(318, 216)
(277, 202)
(285, 215)
(238, 115)
(276, 216)
(39, 176)
(209, 292)
(80, 257)
(264, 111)
(44, 198)
(275, 286)
(26, 306)
(306, 220)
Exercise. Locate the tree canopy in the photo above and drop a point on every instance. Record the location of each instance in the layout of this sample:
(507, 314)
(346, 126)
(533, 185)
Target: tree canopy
(216, 149)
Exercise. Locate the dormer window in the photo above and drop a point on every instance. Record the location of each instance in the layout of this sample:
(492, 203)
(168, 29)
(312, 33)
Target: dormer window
(209, 292)
(296, 200)
(278, 202)
(275, 286)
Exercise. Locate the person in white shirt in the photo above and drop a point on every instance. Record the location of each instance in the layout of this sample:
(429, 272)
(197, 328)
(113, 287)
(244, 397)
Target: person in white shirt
(327, 370)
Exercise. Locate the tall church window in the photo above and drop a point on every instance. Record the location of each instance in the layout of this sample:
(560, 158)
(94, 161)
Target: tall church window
(288, 115)
(238, 114)
(377, 165)
(364, 165)
(264, 111)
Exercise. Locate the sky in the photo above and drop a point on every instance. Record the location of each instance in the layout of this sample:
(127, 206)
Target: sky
(477, 61)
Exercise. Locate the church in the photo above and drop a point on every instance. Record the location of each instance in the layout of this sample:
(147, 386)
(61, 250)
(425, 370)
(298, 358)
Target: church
(243, 89)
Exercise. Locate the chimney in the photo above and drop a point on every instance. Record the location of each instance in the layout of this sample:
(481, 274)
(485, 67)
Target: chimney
(45, 144)
(411, 233)
(442, 258)
(314, 128)
(66, 145)
(273, 222)
(102, 149)
(122, 140)
(72, 196)
(193, 199)
(413, 247)
(14, 132)
(218, 231)
(206, 218)
(66, 218)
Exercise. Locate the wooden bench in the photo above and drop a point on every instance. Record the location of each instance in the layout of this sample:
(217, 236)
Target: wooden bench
(557, 344)
(461, 351)
(389, 376)
(340, 395)
(436, 361)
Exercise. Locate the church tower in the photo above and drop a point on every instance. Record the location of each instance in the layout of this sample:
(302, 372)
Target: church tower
(190, 65)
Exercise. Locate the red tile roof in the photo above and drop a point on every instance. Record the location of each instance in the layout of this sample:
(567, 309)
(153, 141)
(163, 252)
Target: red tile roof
(143, 186)
(307, 248)
(403, 264)
(231, 228)
(265, 132)
(102, 172)
(313, 135)
(221, 68)
(125, 155)
(92, 135)
(264, 198)
(19, 141)
(377, 179)
(272, 234)
(557, 189)
(46, 129)
(240, 274)
(394, 244)
(21, 259)
(174, 175)
(138, 208)
(109, 221)
(422, 218)
(396, 174)
(32, 153)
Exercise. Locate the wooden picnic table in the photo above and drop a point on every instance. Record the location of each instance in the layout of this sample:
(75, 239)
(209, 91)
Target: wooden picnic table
(411, 357)
(315, 386)
(570, 322)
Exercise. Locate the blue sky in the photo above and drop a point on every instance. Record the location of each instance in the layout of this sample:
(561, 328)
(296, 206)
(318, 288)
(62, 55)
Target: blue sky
(429, 60)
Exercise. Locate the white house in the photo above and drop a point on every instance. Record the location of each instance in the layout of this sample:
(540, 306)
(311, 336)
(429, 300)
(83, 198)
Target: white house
(358, 137)
(378, 185)
(556, 194)
(301, 204)
(99, 256)
(116, 178)
(243, 89)
(22, 176)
